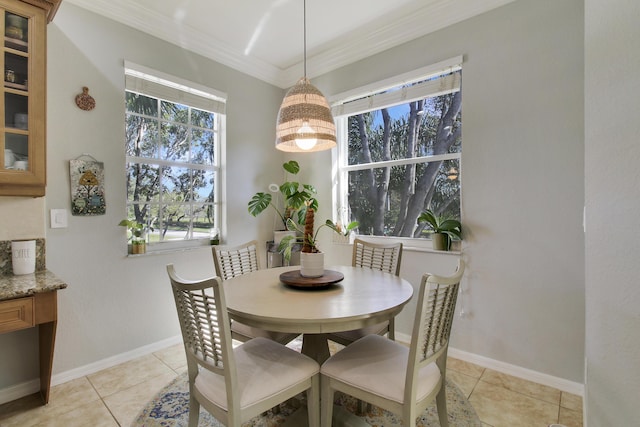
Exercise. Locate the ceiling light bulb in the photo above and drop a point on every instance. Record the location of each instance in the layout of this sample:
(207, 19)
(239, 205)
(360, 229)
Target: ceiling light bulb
(306, 137)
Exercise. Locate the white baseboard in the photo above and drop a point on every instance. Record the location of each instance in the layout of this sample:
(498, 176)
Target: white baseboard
(520, 372)
(509, 369)
(19, 390)
(29, 387)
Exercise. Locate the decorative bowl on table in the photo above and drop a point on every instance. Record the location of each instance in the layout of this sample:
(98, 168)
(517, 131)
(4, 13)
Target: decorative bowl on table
(295, 279)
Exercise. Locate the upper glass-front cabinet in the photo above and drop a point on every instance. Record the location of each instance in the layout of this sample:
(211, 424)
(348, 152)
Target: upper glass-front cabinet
(22, 115)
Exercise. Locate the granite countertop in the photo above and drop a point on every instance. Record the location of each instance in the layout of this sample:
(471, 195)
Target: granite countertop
(12, 286)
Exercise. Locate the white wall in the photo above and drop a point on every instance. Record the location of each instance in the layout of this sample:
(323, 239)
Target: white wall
(522, 179)
(612, 152)
(522, 184)
(116, 304)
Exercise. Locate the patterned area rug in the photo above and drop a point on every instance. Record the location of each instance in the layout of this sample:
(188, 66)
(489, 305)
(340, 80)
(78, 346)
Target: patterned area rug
(170, 408)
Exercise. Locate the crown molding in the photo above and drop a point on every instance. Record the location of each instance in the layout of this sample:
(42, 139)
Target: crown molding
(371, 39)
(384, 34)
(153, 23)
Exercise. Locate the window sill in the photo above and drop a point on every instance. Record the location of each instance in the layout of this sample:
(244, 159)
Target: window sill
(409, 244)
(172, 247)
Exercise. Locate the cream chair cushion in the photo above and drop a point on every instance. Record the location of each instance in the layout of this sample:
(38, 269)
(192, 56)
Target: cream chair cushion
(264, 368)
(383, 375)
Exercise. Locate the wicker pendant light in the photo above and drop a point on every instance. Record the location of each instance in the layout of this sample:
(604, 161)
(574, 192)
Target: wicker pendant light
(305, 122)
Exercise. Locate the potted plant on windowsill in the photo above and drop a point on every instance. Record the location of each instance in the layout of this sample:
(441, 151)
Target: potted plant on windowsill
(343, 233)
(138, 235)
(294, 195)
(311, 258)
(443, 229)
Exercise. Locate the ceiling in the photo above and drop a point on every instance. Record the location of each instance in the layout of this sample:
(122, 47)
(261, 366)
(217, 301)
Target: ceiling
(264, 38)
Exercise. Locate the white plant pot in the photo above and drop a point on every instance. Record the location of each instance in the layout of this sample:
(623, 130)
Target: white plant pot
(311, 264)
(278, 235)
(342, 239)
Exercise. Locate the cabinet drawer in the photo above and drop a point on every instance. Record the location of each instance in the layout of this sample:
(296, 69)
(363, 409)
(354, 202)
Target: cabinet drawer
(16, 314)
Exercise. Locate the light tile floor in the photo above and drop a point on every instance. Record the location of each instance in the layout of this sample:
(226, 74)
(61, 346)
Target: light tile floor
(114, 396)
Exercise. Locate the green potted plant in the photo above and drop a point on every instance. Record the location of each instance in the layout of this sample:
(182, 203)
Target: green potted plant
(343, 233)
(311, 258)
(294, 195)
(443, 229)
(138, 235)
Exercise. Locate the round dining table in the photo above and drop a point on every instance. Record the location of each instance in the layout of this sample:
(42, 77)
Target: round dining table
(364, 297)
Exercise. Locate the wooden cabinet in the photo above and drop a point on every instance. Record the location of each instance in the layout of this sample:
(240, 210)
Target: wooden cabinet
(28, 301)
(23, 97)
(39, 310)
(16, 314)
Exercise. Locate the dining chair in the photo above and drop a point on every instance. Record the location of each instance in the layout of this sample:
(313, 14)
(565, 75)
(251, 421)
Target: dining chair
(403, 380)
(237, 260)
(378, 256)
(236, 384)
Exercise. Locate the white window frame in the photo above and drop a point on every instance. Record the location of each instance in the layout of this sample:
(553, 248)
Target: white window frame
(156, 84)
(369, 98)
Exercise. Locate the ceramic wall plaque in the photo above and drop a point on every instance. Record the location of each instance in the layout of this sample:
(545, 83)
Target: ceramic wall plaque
(87, 187)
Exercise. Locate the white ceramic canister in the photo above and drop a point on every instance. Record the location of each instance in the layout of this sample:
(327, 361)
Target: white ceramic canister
(9, 158)
(23, 256)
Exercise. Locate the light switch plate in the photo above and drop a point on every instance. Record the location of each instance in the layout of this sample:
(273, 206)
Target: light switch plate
(58, 218)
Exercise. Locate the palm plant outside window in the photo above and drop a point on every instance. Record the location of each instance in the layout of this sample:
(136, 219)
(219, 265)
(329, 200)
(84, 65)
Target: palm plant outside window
(173, 166)
(400, 150)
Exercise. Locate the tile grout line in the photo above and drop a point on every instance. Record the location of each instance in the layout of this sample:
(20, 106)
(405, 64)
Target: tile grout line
(103, 402)
(521, 393)
(474, 389)
(559, 404)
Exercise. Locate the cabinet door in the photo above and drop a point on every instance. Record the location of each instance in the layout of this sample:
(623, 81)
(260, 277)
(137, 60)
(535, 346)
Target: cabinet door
(22, 110)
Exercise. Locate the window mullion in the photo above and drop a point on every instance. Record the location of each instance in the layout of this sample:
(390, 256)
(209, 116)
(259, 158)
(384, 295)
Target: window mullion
(401, 162)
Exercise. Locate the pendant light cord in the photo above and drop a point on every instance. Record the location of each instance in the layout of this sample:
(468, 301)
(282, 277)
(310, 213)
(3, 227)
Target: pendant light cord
(304, 36)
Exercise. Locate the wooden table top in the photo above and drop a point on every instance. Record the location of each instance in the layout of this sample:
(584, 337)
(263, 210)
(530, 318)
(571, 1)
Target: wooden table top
(364, 297)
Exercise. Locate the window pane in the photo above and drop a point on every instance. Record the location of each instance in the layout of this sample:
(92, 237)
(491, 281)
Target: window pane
(142, 137)
(203, 119)
(142, 182)
(203, 185)
(175, 220)
(404, 131)
(202, 147)
(141, 104)
(388, 201)
(176, 185)
(174, 144)
(143, 213)
(203, 220)
(446, 197)
(175, 112)
(153, 214)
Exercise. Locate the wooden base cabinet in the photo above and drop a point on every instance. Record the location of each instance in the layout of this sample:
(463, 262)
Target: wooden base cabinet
(23, 97)
(39, 310)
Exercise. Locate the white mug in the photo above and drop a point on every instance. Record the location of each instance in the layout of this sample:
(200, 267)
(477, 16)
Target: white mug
(21, 120)
(22, 165)
(9, 158)
(23, 256)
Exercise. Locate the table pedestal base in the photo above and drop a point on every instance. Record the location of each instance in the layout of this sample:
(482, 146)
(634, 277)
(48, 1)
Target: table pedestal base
(341, 418)
(316, 346)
